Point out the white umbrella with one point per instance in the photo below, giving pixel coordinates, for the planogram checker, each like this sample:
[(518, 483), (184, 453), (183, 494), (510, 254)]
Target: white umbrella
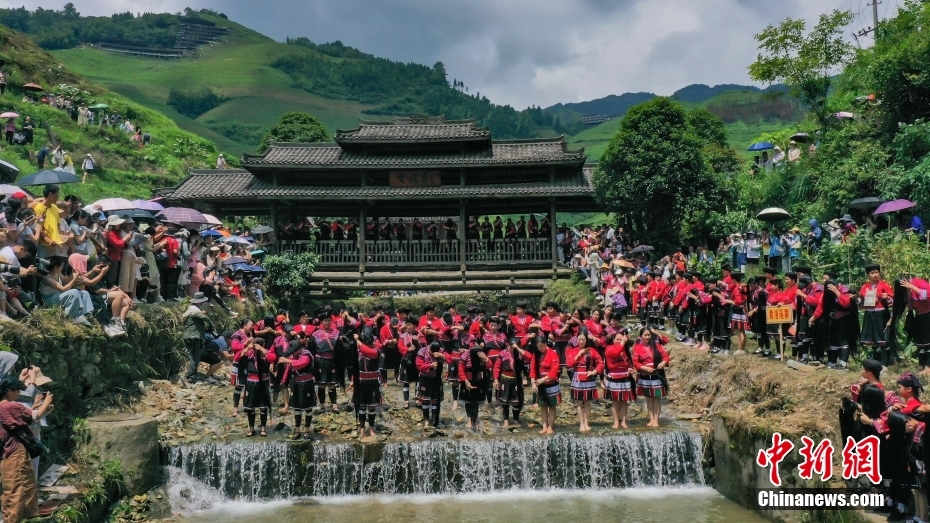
[(773, 214), (212, 220), (10, 190), (113, 204)]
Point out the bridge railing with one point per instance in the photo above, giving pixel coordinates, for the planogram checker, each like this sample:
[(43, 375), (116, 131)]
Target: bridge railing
[(423, 252)]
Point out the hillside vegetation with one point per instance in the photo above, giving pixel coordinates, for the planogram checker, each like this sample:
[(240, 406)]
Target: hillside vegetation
[(127, 170), (234, 91), (746, 114)]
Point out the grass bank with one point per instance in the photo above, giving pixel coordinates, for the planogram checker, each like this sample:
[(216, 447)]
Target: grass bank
[(126, 169)]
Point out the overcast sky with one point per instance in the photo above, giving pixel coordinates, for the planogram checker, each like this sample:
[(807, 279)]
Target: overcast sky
[(528, 52)]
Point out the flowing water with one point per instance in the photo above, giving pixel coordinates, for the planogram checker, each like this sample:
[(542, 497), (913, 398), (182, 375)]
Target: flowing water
[(633, 477), (276, 470), (632, 505)]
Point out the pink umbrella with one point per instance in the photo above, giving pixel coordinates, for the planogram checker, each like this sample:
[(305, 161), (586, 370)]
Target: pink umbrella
[(894, 206), (9, 114), (112, 204), (147, 205), (212, 220), (182, 215)]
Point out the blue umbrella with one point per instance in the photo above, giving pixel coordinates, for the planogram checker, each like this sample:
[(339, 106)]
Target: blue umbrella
[(211, 232), (236, 240), (244, 267), (761, 146), (46, 177)]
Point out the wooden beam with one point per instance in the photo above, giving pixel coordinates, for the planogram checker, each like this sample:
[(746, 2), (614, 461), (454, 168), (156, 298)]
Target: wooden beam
[(424, 275), (361, 242), (552, 226), (463, 225)]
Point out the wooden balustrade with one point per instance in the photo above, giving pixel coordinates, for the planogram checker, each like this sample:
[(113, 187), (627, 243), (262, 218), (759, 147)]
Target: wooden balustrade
[(424, 253)]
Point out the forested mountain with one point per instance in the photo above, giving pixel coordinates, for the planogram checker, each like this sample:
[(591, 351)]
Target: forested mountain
[(335, 82), (65, 29)]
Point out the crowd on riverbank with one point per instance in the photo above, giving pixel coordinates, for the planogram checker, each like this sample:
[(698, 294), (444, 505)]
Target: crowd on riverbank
[(96, 265), (505, 358)]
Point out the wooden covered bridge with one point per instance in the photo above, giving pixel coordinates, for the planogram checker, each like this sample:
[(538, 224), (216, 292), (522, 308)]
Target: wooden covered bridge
[(410, 167)]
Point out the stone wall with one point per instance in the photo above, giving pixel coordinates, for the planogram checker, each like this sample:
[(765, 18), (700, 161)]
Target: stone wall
[(91, 371), (736, 475)]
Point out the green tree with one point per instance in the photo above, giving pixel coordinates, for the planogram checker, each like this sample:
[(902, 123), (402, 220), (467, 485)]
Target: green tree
[(653, 173), (805, 62), (708, 127), (288, 273), (296, 127)]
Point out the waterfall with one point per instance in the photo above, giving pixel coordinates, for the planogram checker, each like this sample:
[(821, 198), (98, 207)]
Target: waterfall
[(275, 470)]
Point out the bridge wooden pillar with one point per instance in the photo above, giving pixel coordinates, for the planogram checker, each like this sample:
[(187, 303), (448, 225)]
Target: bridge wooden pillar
[(361, 241), (463, 226), (273, 223), (552, 232)]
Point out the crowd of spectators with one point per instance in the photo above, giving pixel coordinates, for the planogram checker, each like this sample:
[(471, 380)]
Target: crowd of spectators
[(96, 266)]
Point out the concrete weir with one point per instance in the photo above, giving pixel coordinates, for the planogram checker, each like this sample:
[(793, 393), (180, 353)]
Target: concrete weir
[(274, 470)]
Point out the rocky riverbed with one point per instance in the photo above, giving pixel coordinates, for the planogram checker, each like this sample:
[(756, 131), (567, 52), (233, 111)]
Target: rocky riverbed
[(201, 413), (701, 385)]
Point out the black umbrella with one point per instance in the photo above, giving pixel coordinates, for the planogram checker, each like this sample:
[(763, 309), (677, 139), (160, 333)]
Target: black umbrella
[(773, 214), (262, 229), (801, 137), (8, 172), (136, 214), (864, 204), (46, 177)]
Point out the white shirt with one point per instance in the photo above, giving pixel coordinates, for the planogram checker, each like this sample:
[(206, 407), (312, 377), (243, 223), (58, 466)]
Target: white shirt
[(7, 252)]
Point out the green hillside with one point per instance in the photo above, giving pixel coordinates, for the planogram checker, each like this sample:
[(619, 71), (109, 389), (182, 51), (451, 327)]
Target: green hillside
[(126, 169), (746, 115), (238, 69)]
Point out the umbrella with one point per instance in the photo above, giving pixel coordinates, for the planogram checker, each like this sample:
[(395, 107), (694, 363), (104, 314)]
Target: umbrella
[(237, 240), (46, 177), (256, 268), (10, 190), (137, 214), (642, 248), (8, 171), (147, 205), (864, 204), (212, 220), (262, 229), (761, 146), (9, 114), (894, 206), (801, 137), (211, 232), (32, 87), (233, 260), (182, 215), (113, 204), (623, 263), (845, 114), (100, 106), (773, 214)]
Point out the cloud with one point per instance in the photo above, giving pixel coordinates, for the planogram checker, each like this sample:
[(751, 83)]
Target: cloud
[(525, 52)]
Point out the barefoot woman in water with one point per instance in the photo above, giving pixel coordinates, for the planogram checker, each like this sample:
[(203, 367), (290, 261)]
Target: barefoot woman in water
[(650, 361), (620, 380), (544, 373)]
